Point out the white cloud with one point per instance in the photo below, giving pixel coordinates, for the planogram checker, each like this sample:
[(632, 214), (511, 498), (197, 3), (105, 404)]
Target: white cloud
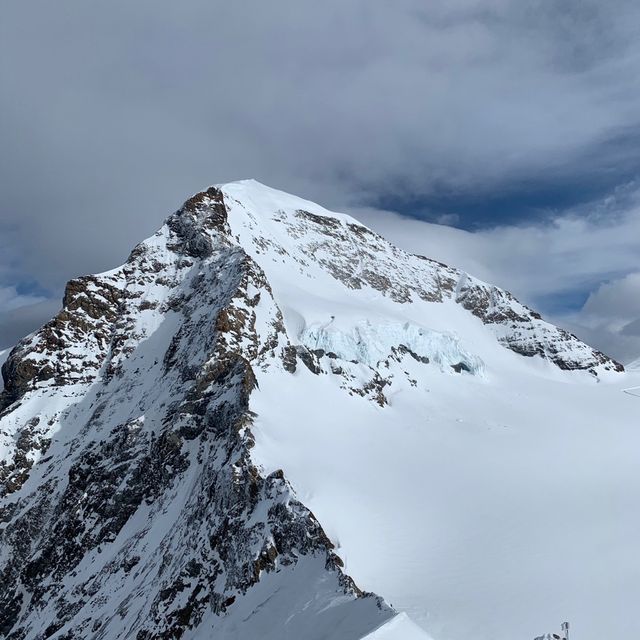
[(611, 317), (617, 302), (10, 299)]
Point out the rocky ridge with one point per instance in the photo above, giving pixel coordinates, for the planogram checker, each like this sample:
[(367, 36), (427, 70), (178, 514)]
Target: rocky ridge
[(131, 506)]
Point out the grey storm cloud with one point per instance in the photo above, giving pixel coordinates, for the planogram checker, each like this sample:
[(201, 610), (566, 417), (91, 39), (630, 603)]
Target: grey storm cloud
[(632, 328), (111, 114), (23, 319)]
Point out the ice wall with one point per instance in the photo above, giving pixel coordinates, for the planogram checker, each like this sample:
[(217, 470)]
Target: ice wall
[(371, 343)]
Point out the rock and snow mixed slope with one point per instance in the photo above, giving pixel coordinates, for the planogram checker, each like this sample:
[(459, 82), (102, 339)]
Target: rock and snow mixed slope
[(267, 402)]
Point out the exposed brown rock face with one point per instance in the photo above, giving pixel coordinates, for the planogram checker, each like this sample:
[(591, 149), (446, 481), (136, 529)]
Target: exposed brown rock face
[(90, 309)]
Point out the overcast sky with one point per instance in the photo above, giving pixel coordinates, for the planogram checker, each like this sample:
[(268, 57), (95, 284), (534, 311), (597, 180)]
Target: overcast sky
[(516, 122)]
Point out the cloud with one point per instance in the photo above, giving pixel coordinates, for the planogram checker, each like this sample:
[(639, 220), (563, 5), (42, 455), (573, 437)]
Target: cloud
[(617, 302), (110, 115), (450, 219), (11, 299), (611, 315), (20, 321), (632, 328)]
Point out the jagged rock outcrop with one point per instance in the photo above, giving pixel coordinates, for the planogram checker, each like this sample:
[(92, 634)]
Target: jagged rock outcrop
[(524, 331), (144, 514)]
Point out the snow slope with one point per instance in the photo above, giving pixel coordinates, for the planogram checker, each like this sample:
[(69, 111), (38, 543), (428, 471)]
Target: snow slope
[(267, 391), (484, 510), (399, 627)]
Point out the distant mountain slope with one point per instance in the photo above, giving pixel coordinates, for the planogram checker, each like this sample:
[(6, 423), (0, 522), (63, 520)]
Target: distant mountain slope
[(168, 437)]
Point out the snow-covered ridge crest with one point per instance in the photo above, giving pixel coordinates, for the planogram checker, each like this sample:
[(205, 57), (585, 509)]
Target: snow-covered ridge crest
[(300, 243)]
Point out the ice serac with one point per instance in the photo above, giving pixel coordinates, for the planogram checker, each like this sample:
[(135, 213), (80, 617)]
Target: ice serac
[(132, 501)]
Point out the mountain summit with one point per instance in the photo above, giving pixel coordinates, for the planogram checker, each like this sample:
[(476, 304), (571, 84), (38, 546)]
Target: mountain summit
[(267, 416)]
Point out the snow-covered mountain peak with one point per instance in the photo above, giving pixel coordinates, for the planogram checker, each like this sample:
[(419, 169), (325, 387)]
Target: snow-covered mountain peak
[(164, 437), (317, 261)]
